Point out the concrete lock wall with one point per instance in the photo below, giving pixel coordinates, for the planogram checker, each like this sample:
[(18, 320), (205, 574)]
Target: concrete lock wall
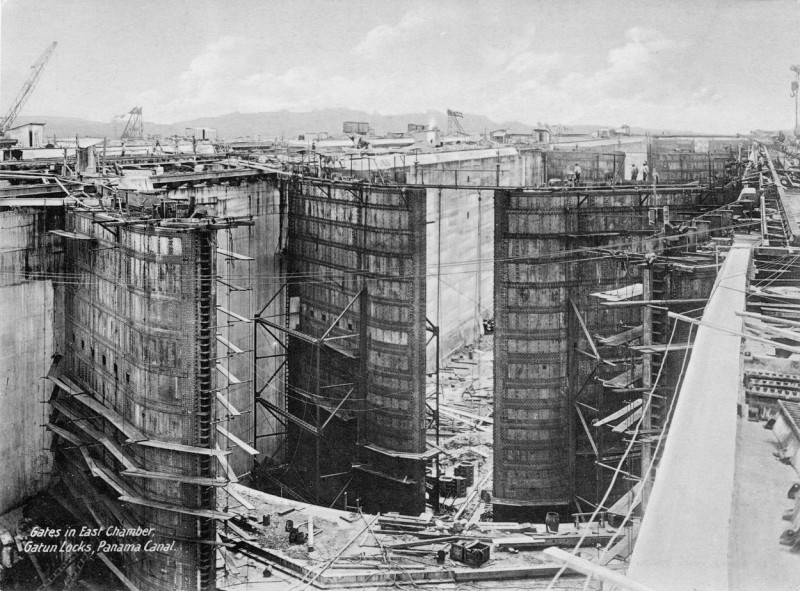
[(459, 268), (27, 344), (344, 240), (31, 332), (540, 265), (138, 340), (694, 159)]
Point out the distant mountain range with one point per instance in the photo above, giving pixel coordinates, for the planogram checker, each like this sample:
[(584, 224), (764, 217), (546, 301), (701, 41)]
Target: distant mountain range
[(288, 124)]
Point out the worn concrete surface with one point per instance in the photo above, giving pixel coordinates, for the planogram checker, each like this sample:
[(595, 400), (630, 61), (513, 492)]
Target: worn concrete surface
[(757, 560), (26, 348)]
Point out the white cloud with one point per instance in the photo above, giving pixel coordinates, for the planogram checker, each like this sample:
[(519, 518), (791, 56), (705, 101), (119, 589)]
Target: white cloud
[(509, 78), (385, 36)]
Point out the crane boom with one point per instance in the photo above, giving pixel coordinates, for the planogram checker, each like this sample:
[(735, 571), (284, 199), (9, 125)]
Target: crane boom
[(28, 87)]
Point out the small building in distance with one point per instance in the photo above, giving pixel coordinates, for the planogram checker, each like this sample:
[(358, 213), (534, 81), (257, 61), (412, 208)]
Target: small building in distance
[(537, 136), (202, 133), (357, 127), (28, 135)]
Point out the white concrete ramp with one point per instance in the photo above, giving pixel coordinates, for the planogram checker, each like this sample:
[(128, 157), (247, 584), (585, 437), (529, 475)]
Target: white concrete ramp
[(683, 541)]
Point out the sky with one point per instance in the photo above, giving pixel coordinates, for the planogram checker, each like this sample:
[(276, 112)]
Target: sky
[(716, 66)]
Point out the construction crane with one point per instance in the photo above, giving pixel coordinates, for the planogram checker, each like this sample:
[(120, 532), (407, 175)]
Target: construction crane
[(453, 123), (27, 88), (134, 130)]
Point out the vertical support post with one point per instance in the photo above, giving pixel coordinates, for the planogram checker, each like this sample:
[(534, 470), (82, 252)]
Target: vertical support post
[(317, 423), (573, 330), (256, 319), (647, 379), (479, 278), (614, 173), (438, 331), (438, 398), (363, 304), (544, 168)]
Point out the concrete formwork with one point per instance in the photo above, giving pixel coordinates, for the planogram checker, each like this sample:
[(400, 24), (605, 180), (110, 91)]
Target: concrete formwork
[(693, 159), (139, 342), (596, 166), (357, 265), (547, 255)]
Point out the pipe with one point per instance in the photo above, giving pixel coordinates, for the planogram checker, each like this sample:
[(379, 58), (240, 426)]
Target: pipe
[(653, 303), (585, 567)]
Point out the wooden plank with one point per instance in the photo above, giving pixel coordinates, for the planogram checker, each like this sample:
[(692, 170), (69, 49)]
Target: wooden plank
[(232, 379), (94, 434), (628, 422), (232, 314), (239, 531), (199, 480), (65, 385), (782, 332), (207, 513), (587, 430), (623, 293), (586, 332), (227, 467), (620, 413), (111, 480), (609, 578), (245, 446), (245, 503), (661, 348), (624, 379), (234, 255), (228, 344), (228, 406), (471, 496), (734, 332), (622, 505), (416, 543), (133, 434), (68, 435), (476, 516), (228, 559), (622, 338), (232, 286), (73, 235)]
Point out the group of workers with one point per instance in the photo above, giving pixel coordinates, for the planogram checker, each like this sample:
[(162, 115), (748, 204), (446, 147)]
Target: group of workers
[(576, 171), (645, 173)]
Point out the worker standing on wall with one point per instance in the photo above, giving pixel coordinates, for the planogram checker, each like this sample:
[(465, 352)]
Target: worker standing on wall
[(645, 170), (634, 172), (577, 171), (655, 176)]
